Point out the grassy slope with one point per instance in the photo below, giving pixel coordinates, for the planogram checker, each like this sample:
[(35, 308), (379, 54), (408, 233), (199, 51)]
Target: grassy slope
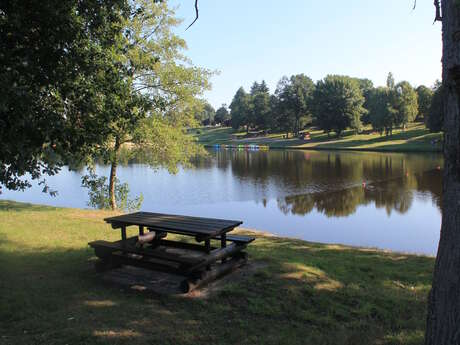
[(307, 294), (416, 138)]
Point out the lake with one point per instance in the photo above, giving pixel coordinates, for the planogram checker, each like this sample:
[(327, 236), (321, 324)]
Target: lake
[(384, 200)]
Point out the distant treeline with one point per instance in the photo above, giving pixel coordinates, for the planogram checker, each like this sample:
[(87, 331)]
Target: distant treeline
[(333, 104)]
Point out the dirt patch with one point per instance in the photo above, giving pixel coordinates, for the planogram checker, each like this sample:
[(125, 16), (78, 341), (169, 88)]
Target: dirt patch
[(156, 282)]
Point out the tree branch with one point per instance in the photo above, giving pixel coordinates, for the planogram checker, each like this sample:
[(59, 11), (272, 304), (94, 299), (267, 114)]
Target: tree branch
[(196, 18), (438, 17)]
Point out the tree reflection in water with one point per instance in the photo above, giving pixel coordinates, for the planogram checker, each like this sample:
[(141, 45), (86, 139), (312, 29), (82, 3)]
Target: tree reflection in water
[(336, 183)]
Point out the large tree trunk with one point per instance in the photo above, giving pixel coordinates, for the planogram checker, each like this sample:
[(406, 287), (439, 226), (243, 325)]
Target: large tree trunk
[(113, 174), (443, 319)]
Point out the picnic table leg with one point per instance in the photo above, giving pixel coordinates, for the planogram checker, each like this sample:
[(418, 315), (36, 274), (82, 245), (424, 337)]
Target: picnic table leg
[(207, 244), (123, 236), (223, 243)]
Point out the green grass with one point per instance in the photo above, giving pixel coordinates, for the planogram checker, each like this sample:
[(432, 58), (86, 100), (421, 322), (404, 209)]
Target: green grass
[(414, 139), (307, 293)]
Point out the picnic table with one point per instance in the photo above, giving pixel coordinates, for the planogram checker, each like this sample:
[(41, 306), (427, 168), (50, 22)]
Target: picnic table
[(204, 250)]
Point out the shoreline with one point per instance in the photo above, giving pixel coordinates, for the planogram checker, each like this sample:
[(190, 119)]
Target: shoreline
[(415, 138), (315, 148), (243, 230)]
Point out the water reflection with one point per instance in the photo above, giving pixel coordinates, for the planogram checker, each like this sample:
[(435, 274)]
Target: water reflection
[(336, 183), (394, 195)]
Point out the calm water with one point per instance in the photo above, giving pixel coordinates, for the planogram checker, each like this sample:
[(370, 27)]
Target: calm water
[(389, 201)]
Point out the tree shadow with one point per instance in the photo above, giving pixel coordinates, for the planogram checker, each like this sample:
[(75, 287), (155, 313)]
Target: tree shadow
[(407, 135)]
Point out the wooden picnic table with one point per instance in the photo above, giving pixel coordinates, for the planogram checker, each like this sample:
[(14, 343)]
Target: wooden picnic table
[(199, 263)]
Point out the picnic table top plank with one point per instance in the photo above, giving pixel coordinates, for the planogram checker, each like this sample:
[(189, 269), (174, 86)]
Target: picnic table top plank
[(176, 223)]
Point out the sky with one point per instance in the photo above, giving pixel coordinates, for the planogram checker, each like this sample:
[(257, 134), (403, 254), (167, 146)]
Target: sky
[(256, 40)]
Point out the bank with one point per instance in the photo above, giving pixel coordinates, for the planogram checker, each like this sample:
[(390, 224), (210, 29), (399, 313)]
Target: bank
[(302, 292), (416, 138)]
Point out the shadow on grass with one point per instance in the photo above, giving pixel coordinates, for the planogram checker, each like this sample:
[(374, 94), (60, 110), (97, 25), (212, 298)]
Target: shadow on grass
[(7, 205), (308, 293)]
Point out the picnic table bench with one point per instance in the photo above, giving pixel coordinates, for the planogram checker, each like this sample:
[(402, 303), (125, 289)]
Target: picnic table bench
[(199, 263)]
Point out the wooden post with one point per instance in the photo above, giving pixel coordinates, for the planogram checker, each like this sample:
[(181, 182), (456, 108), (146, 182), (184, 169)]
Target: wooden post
[(123, 233), (217, 254), (223, 243), (205, 277), (207, 244), (123, 236), (223, 240)]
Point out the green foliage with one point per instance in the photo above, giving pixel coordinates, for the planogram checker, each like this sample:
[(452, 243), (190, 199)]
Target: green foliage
[(222, 115), (390, 81), (99, 195), (205, 114), (260, 106), (154, 95), (284, 113), (405, 103), (56, 60), (338, 104), (435, 119), (294, 102), (240, 109), (424, 97), (366, 86), (381, 112)]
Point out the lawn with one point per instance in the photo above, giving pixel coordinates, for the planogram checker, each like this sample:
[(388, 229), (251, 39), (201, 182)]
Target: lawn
[(416, 138), (304, 293)]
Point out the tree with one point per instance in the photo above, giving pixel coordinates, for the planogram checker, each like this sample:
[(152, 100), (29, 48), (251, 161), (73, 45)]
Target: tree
[(260, 105), (390, 81), (205, 114), (443, 320), (295, 102), (381, 112), (285, 118), (405, 103), (222, 115), (153, 93), (56, 62), (338, 104), (366, 86), (239, 109), (435, 118), (424, 97)]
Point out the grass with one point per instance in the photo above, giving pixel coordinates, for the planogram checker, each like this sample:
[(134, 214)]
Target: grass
[(307, 293), (414, 139)]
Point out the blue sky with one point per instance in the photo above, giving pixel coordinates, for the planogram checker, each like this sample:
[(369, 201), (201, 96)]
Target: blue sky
[(266, 39)]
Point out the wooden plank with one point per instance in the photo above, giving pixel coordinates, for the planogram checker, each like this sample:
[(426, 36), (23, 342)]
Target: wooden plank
[(183, 245), (180, 217), (149, 251), (171, 223), (178, 223), (177, 228), (144, 216), (145, 262), (236, 238)]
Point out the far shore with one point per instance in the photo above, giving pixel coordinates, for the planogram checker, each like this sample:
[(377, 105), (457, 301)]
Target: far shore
[(416, 138)]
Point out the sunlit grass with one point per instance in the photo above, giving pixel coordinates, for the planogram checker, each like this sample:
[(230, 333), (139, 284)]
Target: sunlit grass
[(415, 138), (304, 293)]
